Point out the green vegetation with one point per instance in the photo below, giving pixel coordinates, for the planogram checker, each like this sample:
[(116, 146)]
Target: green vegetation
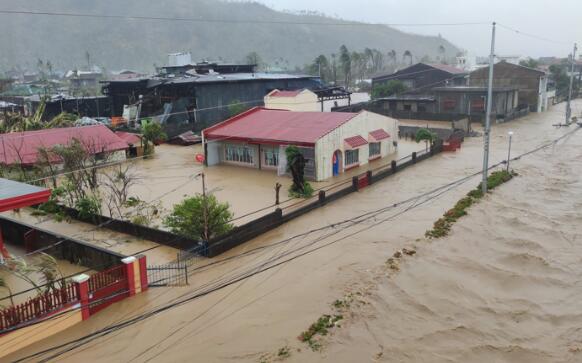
[(530, 63), (236, 107), (187, 218), (391, 88), (296, 165), (442, 226), (152, 134), (319, 328), (427, 136), (284, 353)]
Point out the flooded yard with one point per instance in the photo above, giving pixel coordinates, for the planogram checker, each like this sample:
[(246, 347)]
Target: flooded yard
[(502, 287)]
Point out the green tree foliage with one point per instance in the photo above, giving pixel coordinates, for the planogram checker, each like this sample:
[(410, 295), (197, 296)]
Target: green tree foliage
[(152, 133), (559, 74), (346, 64), (427, 136), (391, 88), (530, 63), (187, 218), (236, 107), (296, 165)]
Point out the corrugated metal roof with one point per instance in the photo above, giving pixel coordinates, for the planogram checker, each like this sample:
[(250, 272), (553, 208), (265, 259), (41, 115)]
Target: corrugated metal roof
[(278, 126), (22, 147), (18, 195)]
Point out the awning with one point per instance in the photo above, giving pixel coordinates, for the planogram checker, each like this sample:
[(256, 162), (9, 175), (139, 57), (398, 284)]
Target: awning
[(354, 142), (14, 195), (378, 135)]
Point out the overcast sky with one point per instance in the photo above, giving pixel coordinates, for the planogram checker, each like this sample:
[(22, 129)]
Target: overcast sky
[(558, 20)]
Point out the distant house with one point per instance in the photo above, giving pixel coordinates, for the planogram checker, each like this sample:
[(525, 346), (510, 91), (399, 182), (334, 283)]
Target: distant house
[(331, 142), (83, 80), (22, 148), (423, 76), (532, 83), (300, 100)]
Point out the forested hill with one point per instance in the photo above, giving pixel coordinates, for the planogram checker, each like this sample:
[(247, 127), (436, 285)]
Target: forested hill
[(139, 44)]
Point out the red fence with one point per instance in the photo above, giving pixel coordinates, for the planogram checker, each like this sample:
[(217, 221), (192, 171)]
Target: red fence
[(107, 287), (38, 307)]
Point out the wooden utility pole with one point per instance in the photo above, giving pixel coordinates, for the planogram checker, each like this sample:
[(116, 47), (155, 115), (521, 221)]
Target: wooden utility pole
[(488, 115)]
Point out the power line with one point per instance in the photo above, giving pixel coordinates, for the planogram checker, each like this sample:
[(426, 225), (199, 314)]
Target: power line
[(533, 36)]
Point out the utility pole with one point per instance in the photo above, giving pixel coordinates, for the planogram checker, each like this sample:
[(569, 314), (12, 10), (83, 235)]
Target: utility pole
[(488, 115), (568, 105)]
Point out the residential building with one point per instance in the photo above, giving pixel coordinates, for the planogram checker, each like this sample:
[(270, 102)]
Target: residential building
[(22, 148), (421, 77), (300, 100), (331, 142), (534, 92)]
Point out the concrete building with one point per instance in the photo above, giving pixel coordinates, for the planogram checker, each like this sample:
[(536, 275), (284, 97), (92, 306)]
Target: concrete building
[(534, 92), (330, 142), (300, 100)]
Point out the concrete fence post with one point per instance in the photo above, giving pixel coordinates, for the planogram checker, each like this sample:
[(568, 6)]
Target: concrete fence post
[(322, 196), (369, 176), (130, 263), (82, 286), (355, 183), (143, 272), (394, 166), (414, 157)]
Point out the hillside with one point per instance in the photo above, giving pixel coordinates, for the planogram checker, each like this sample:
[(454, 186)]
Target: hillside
[(138, 44)]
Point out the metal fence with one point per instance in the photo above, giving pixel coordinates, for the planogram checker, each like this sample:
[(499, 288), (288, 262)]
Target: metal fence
[(170, 274)]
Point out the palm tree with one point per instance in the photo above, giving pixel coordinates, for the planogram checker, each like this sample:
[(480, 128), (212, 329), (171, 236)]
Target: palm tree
[(346, 63), (392, 56), (4, 285), (407, 54)]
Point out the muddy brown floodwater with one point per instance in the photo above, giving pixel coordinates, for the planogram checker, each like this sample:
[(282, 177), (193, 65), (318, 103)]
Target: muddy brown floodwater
[(503, 287)]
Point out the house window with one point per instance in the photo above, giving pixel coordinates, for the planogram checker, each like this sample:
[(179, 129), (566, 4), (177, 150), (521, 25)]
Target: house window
[(478, 105), (375, 149), (352, 157), (271, 156), (407, 107), (239, 154)]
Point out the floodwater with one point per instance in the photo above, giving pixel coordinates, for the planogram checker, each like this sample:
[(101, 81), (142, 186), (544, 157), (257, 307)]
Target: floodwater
[(503, 287)]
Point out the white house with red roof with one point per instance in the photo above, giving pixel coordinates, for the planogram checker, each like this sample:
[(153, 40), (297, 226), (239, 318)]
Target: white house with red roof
[(22, 148), (332, 142), (300, 100)]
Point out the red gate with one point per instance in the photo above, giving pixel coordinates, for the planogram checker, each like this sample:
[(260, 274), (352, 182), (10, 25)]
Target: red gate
[(107, 287), (363, 181)]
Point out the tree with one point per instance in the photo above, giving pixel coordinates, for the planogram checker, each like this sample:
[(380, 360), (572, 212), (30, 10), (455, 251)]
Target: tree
[(152, 133), (254, 58), (346, 64), (442, 54), (4, 285), (407, 54), (236, 107), (530, 63), (296, 165), (393, 87), (117, 187), (187, 218), (322, 68), (427, 136), (392, 55), (334, 67)]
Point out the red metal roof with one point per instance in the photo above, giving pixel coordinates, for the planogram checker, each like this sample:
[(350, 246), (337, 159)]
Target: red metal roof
[(130, 138), (278, 93), (14, 195), (22, 147), (278, 126), (380, 134), (356, 141)]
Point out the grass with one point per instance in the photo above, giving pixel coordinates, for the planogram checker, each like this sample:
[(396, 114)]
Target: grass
[(319, 328), (443, 225)]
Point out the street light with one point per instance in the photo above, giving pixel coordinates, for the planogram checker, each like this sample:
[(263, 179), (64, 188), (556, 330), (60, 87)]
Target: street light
[(510, 133)]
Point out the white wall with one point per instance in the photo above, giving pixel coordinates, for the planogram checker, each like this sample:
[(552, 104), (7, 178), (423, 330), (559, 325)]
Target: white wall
[(362, 125), (306, 101)]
